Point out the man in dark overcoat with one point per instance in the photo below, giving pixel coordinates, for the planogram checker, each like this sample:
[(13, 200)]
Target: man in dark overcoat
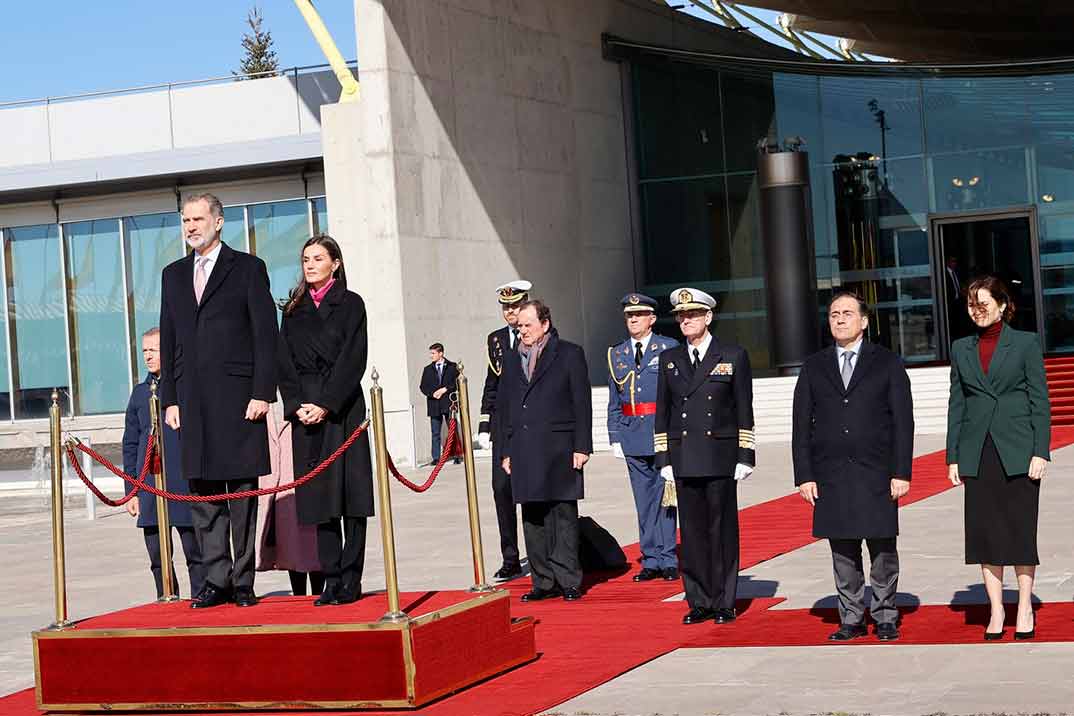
[(218, 375), (136, 428), (852, 445), (501, 344), (438, 382), (546, 413), (704, 441)]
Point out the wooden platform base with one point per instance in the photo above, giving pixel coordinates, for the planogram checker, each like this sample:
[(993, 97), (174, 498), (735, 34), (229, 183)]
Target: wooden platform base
[(281, 654)]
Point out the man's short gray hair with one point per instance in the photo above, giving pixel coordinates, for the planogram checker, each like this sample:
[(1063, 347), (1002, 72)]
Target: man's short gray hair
[(154, 331), (215, 207)]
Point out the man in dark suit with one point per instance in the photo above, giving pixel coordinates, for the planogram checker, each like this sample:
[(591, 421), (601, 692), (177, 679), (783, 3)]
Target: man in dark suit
[(704, 441), (502, 343), (218, 340), (136, 429), (853, 449), (438, 380), (546, 414)]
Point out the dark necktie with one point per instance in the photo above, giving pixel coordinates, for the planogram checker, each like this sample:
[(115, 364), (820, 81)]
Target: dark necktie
[(440, 372), (514, 337), (637, 354), (697, 359)]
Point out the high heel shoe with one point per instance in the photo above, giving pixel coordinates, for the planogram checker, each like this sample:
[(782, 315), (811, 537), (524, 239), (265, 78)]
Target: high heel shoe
[(993, 635), (1023, 635)]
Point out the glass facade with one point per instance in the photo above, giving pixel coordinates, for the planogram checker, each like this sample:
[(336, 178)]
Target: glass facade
[(890, 156), (81, 294)]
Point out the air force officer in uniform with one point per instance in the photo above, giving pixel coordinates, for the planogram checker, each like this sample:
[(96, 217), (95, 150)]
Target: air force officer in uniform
[(633, 368), (705, 441)]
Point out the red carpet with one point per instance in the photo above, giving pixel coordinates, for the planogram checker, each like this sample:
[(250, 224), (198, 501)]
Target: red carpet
[(621, 625)]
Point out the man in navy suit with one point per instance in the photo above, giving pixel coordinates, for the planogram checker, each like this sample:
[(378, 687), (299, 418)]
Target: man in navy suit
[(135, 434), (633, 370), (438, 382)]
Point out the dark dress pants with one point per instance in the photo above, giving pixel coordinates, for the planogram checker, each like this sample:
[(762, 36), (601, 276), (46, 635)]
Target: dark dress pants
[(341, 552), (656, 523), (551, 532), (850, 579), (191, 552), (506, 512), (436, 423), (708, 522), (215, 521)]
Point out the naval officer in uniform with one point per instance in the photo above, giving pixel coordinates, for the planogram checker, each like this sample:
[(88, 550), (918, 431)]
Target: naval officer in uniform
[(500, 343), (705, 441), (633, 367)]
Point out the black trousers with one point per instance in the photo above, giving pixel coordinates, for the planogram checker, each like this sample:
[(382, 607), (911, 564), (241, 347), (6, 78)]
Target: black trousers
[(708, 521), (195, 569), (228, 564), (342, 551), (551, 533), (506, 512), (850, 579)]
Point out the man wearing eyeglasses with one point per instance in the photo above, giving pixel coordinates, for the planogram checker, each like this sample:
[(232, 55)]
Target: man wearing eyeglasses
[(853, 447), (704, 441)]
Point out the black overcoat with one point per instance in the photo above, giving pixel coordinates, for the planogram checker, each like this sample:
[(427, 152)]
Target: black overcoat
[(322, 355), (853, 441), (545, 421), (215, 357), (136, 427), (435, 407)]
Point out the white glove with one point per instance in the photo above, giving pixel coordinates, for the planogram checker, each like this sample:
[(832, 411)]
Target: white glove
[(617, 450), (484, 441), (742, 471), (667, 473)]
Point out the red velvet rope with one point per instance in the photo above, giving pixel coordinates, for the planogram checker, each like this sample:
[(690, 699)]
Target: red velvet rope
[(325, 464), (150, 453), (449, 450)]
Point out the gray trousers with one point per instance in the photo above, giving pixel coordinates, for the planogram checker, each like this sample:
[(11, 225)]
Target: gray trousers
[(850, 579), (223, 525), (551, 533)]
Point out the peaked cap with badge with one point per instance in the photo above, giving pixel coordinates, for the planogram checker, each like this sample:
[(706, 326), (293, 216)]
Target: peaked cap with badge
[(691, 299), (513, 292)]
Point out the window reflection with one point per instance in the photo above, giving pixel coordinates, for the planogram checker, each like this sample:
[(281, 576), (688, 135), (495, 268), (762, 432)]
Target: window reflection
[(95, 295), (35, 317), (320, 215), (151, 243), (277, 232)]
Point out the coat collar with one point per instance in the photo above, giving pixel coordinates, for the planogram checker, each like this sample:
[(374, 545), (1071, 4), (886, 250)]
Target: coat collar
[(831, 366), (546, 359), (1006, 337), (224, 263)]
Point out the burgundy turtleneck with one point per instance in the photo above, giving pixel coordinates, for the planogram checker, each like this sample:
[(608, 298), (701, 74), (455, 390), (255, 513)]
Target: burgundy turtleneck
[(986, 346)]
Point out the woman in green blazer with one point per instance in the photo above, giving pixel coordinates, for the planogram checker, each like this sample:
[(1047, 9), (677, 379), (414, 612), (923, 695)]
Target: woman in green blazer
[(998, 435)]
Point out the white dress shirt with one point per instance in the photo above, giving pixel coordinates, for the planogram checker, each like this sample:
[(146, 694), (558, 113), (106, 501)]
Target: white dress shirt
[(209, 261), (839, 351), (702, 349)]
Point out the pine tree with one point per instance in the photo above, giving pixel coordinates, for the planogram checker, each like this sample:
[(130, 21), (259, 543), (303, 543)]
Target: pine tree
[(259, 56)]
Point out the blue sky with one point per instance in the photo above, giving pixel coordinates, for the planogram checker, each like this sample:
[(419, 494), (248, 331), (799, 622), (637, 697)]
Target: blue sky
[(60, 47)]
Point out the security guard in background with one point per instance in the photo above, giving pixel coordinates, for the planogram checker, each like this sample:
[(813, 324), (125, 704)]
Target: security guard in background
[(705, 442), (502, 342), (633, 367)]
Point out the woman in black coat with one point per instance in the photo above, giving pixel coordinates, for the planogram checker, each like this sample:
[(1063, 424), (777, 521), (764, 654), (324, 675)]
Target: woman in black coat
[(322, 360)]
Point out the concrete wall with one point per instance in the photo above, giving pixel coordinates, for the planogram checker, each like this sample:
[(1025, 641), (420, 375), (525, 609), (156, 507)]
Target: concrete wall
[(495, 137)]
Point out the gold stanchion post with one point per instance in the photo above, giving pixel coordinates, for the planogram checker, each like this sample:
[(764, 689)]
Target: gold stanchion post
[(387, 529), (466, 435), (59, 571), (164, 525)]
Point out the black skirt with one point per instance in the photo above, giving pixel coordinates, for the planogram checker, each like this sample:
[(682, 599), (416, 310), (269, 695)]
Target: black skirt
[(1001, 514)]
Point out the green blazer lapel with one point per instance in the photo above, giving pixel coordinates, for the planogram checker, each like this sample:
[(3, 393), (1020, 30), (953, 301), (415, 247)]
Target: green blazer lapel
[(974, 359), (1003, 349)]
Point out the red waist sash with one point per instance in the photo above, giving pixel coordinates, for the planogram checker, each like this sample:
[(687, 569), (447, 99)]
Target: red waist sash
[(639, 409)]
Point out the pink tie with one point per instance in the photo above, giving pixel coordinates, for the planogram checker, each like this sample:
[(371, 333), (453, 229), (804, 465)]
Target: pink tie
[(200, 279)]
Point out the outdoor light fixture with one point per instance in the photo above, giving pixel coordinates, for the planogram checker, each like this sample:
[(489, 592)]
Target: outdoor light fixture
[(959, 181), (1047, 198)]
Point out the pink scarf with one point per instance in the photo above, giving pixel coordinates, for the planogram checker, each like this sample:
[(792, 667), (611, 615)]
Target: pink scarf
[(318, 294)]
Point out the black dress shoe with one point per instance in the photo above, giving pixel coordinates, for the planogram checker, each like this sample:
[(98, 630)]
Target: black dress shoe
[(887, 631), (509, 570), (697, 615), (211, 596), (670, 574), (244, 597), (646, 575), (328, 596), (572, 594), (537, 595), (724, 616), (349, 594), (846, 632)]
